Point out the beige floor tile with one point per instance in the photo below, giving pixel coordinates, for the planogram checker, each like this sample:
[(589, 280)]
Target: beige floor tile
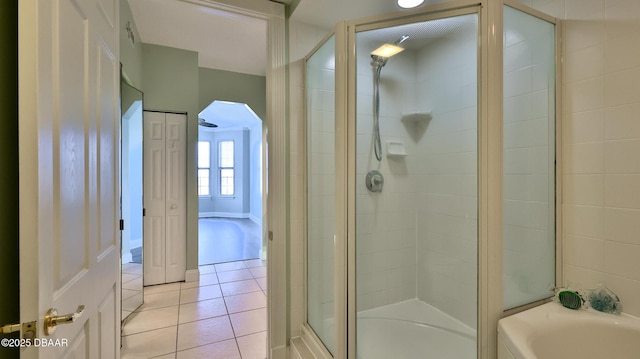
[(128, 293), (127, 277), (253, 346), (255, 263), (262, 282), (151, 319), (203, 281), (187, 285), (133, 268), (202, 310), (208, 279), (250, 322), (160, 300), (234, 275), (200, 293), (258, 272), (207, 269), (224, 267), (149, 344), (166, 356), (227, 349), (160, 288), (239, 287), (204, 332), (244, 302)]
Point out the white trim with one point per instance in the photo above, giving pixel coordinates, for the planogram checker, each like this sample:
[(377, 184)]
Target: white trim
[(255, 219), (223, 215), (192, 275), (308, 346)]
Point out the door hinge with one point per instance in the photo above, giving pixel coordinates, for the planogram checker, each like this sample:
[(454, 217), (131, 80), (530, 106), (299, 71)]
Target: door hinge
[(271, 235), (29, 330), (122, 224), (144, 212)]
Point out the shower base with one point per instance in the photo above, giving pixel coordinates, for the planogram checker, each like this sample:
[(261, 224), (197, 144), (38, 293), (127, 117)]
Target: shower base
[(413, 329)]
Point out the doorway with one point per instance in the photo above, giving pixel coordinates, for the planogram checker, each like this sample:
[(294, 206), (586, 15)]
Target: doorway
[(229, 183)]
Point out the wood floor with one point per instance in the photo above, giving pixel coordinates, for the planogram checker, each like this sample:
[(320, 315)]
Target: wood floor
[(223, 240)]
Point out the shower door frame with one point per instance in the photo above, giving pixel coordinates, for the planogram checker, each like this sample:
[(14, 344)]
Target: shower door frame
[(346, 88), (489, 168)]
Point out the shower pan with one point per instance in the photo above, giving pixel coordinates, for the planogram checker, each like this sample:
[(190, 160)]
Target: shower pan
[(459, 124)]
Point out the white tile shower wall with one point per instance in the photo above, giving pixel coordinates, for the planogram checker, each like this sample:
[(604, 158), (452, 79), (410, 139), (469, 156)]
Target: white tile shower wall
[(446, 169), (601, 133), (529, 229), (302, 39), (385, 222)]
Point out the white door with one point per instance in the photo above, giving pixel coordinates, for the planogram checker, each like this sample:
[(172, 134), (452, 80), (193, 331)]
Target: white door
[(165, 171), (69, 249)]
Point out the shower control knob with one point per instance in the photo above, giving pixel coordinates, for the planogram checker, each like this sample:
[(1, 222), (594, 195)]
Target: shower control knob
[(374, 181)]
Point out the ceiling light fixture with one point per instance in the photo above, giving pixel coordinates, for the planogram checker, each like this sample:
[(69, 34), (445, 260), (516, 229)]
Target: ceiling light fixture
[(409, 4)]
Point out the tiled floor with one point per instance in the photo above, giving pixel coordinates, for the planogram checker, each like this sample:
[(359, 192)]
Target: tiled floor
[(223, 316)]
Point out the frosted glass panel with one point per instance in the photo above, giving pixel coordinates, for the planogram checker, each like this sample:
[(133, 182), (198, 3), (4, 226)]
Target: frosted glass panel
[(321, 184), (529, 158)]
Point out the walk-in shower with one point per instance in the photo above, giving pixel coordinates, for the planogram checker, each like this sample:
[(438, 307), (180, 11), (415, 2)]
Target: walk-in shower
[(460, 128)]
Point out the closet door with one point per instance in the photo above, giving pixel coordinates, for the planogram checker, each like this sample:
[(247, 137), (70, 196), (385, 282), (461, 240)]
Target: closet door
[(164, 197)]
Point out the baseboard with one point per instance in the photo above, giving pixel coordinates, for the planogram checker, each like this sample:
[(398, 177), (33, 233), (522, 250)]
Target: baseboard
[(256, 220), (279, 352), (223, 215), (127, 258), (192, 275)]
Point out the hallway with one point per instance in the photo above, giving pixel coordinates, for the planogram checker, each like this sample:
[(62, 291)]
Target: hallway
[(223, 316)]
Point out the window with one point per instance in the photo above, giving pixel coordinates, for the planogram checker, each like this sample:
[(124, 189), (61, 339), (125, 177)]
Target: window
[(225, 168), (204, 168)]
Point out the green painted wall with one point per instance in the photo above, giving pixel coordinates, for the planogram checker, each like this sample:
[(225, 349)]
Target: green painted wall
[(130, 54), (170, 78), (174, 82), (9, 244), (235, 87)]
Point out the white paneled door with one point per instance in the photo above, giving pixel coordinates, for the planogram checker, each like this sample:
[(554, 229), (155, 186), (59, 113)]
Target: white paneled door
[(69, 80), (165, 171)]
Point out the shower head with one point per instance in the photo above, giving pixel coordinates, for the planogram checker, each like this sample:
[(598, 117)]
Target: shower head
[(384, 52)]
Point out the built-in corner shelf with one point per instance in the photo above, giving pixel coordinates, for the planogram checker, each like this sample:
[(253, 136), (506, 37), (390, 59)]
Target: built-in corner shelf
[(416, 117), (396, 149)]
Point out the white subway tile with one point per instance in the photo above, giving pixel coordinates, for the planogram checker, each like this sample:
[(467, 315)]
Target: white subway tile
[(622, 191), (622, 122), (584, 221), (623, 87), (584, 95), (585, 190), (622, 157), (621, 259), (585, 63), (622, 225), (584, 252)]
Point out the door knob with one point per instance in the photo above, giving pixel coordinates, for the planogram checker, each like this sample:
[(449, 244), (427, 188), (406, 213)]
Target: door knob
[(51, 319)]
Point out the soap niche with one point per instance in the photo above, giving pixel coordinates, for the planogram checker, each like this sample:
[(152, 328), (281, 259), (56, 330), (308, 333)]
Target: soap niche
[(416, 123), (396, 149)]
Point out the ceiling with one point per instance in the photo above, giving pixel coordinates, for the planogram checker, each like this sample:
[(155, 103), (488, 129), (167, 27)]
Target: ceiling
[(223, 40), (233, 42), (228, 115)]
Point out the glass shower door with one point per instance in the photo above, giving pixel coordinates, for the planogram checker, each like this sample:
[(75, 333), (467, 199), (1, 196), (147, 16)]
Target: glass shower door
[(416, 207), (321, 190)]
